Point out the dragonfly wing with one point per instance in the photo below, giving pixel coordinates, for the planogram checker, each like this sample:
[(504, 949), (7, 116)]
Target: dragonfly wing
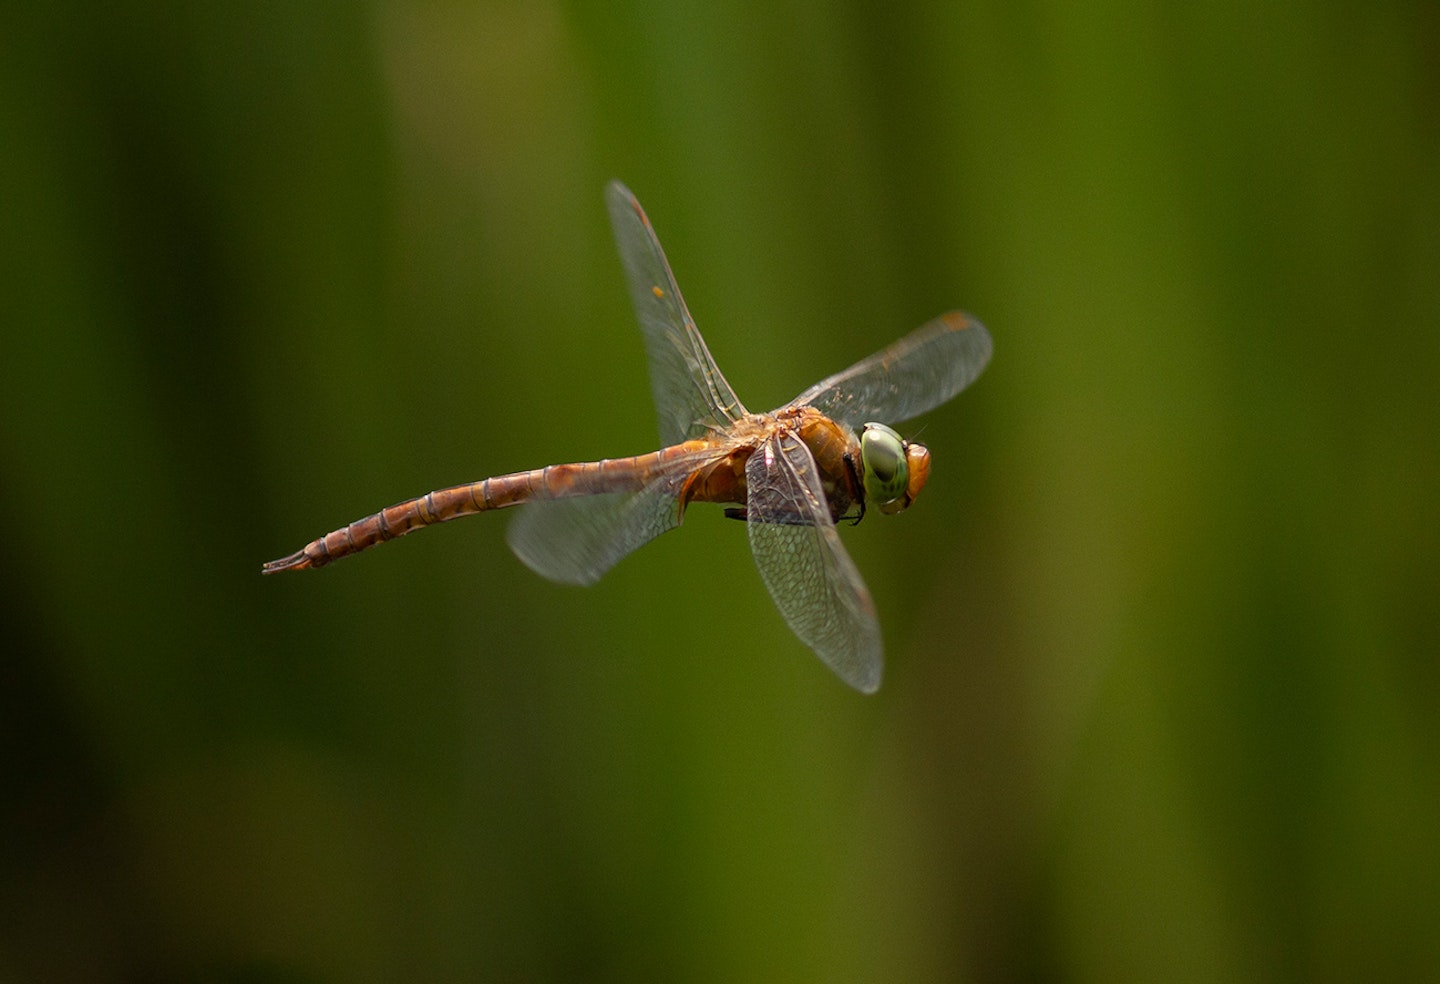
[(575, 540), (809, 575), (920, 371), (691, 395)]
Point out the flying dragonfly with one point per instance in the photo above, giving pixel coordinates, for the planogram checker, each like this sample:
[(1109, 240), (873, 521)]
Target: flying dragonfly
[(790, 474)]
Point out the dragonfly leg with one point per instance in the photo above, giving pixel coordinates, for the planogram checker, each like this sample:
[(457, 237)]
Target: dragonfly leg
[(856, 483), (793, 519)]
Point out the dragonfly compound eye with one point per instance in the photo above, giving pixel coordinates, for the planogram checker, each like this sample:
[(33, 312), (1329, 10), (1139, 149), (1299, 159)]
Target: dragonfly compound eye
[(887, 469)]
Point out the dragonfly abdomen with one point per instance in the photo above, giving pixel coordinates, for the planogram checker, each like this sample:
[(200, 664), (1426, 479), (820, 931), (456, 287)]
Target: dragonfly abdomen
[(443, 505), (387, 524)]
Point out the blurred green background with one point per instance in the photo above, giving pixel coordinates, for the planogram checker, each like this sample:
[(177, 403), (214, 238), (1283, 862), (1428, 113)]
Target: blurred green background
[(1162, 635)]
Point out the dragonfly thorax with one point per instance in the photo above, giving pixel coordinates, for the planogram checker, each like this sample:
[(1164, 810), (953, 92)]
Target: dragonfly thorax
[(836, 452)]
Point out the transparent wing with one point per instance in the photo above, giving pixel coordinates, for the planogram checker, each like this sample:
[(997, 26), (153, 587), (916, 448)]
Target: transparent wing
[(577, 539), (920, 371), (809, 575), (691, 395)]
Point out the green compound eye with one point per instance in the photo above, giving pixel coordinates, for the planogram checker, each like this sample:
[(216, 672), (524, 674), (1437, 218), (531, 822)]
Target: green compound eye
[(887, 473)]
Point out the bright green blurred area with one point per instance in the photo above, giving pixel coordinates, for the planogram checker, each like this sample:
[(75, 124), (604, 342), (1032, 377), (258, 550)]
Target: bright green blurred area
[(1162, 635)]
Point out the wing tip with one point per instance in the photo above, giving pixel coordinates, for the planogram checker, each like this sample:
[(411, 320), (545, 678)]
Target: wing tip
[(867, 686), (864, 674), (976, 334), (621, 199), (958, 320)]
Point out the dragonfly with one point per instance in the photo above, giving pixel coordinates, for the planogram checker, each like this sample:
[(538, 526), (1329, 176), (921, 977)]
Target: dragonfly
[(791, 474)]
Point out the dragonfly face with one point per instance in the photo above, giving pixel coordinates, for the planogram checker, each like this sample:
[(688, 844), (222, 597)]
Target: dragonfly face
[(794, 469), (895, 469)]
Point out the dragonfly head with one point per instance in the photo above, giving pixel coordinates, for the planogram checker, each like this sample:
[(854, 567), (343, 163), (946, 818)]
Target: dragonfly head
[(895, 469)]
